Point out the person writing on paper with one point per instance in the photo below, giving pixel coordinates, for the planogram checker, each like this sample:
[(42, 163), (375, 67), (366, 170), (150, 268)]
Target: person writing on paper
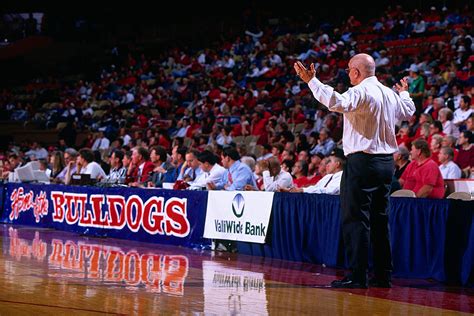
[(370, 111)]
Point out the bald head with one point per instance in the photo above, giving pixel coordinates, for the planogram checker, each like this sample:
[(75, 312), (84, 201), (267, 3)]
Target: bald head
[(364, 63)]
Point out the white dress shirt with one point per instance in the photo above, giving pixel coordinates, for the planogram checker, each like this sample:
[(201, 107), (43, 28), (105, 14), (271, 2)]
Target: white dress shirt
[(126, 139), (329, 184), (450, 129), (204, 178), (428, 109), (461, 115), (94, 169), (281, 180), (39, 153), (116, 175), (182, 131), (370, 110), (101, 143), (450, 170), (222, 139)]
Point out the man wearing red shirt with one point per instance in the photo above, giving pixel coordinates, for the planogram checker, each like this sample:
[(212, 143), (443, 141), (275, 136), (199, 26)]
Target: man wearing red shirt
[(465, 158), (422, 175)]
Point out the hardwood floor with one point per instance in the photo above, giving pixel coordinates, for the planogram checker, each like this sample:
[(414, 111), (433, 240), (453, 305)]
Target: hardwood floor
[(48, 272)]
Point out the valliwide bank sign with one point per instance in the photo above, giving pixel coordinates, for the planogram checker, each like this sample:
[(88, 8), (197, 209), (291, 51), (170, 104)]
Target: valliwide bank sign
[(242, 216)]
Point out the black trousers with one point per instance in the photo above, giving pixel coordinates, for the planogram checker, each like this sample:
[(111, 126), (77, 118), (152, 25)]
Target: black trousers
[(365, 191)]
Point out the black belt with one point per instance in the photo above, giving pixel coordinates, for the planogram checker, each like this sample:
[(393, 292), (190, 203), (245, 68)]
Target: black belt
[(369, 154)]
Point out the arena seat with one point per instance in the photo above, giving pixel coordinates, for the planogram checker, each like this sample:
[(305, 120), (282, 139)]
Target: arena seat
[(238, 139), (465, 196), (403, 193)]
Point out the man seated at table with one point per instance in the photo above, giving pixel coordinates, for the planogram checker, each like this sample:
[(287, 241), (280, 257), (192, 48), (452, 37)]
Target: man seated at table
[(275, 178), (15, 162), (87, 165), (141, 167), (117, 170), (163, 170), (300, 173), (331, 182), (422, 175), (211, 171), (70, 157), (449, 169), (190, 170), (237, 175)]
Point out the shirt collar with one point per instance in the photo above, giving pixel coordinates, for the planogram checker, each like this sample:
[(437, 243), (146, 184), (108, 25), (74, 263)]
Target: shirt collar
[(371, 79), (424, 162)]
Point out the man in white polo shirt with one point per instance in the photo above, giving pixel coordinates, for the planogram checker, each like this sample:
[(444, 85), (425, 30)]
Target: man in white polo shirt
[(88, 166)]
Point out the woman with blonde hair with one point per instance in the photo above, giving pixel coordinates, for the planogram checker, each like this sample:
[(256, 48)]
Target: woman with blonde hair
[(57, 163)]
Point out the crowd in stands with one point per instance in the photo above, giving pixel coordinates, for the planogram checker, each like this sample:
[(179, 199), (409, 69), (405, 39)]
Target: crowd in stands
[(236, 117)]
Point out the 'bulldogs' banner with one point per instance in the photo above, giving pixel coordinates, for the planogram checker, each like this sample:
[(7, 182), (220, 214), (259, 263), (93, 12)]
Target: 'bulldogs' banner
[(242, 216), (159, 216)]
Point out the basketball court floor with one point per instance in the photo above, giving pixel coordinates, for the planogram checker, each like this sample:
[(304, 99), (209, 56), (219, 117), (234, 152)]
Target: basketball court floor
[(49, 272)]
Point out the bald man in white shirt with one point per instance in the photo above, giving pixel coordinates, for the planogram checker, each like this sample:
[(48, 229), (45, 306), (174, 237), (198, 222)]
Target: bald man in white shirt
[(370, 111)]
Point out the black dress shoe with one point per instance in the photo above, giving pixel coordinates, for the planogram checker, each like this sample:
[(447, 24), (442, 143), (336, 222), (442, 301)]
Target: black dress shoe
[(374, 282), (348, 283)]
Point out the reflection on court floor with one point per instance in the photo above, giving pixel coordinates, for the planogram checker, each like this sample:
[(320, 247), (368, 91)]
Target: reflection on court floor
[(102, 263), (243, 291)]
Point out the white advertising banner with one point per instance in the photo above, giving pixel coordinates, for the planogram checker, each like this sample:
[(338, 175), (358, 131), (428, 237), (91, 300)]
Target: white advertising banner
[(241, 216), (231, 291)]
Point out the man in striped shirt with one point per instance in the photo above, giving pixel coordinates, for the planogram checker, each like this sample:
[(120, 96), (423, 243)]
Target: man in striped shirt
[(117, 170)]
